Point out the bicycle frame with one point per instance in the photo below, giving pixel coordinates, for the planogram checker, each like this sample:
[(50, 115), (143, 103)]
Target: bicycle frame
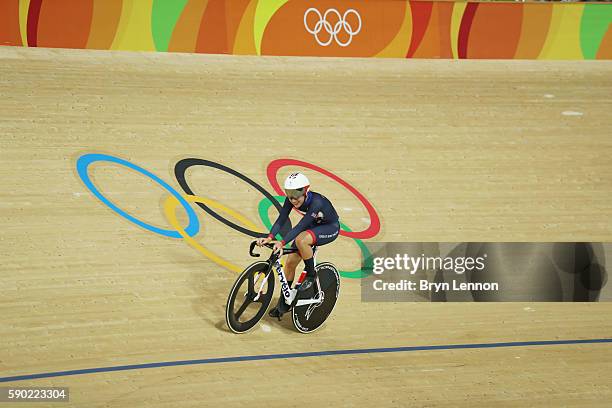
[(288, 293)]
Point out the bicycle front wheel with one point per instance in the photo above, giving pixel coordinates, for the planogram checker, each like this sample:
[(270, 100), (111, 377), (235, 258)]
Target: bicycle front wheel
[(250, 297)]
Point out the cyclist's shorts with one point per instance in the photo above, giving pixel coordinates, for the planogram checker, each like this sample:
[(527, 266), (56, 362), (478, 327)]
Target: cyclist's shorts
[(323, 234)]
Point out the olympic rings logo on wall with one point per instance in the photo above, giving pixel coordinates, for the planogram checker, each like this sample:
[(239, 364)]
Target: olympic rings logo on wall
[(223, 213), (324, 24)]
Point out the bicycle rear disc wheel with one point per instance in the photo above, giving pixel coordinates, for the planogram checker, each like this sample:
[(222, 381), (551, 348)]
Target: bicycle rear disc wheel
[(242, 311), (308, 318)]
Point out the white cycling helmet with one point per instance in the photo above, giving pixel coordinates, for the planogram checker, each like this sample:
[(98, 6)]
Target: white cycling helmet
[(296, 185)]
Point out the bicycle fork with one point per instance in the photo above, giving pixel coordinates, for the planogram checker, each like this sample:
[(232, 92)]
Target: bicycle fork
[(286, 291)]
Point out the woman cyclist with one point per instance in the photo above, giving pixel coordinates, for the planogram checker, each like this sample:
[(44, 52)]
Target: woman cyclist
[(319, 226)]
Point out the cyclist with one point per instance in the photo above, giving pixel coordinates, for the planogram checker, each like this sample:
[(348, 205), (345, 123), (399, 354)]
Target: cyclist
[(319, 226)]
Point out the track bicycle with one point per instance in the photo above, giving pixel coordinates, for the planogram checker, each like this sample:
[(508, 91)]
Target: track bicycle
[(252, 293)]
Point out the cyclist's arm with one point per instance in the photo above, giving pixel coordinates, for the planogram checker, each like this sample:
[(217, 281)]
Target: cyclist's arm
[(282, 218), (304, 223)]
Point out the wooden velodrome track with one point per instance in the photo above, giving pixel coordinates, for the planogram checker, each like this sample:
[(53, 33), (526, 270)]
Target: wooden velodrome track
[(444, 150)]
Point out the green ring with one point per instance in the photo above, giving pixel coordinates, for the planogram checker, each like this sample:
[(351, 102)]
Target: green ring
[(264, 206)]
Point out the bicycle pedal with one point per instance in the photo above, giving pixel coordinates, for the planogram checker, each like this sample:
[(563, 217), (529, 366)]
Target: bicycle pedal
[(276, 313), (283, 308)]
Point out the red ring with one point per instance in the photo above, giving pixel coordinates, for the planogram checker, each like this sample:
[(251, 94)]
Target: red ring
[(369, 232)]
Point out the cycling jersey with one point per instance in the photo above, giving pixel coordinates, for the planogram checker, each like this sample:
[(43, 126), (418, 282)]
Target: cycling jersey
[(319, 216)]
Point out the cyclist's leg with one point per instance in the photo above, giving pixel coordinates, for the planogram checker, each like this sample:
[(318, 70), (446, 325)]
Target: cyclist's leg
[(291, 263), (304, 242), (319, 235)]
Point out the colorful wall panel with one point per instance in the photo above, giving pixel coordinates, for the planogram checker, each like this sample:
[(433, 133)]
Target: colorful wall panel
[(364, 28)]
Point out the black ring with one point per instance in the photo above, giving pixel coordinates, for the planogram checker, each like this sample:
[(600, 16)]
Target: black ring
[(179, 172)]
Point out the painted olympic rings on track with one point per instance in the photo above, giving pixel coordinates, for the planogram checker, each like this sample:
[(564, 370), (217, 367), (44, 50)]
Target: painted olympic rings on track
[(86, 160), (369, 232), (179, 172), (170, 211), (214, 208)]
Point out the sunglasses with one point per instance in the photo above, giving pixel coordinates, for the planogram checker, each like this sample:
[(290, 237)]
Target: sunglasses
[(294, 193)]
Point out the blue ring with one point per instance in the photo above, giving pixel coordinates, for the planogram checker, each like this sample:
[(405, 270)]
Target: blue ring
[(83, 163)]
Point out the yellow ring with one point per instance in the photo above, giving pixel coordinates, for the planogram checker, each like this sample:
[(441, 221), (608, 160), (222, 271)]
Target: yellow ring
[(170, 211)]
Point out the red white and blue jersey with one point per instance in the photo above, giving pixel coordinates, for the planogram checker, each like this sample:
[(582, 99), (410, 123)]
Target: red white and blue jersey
[(317, 210)]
